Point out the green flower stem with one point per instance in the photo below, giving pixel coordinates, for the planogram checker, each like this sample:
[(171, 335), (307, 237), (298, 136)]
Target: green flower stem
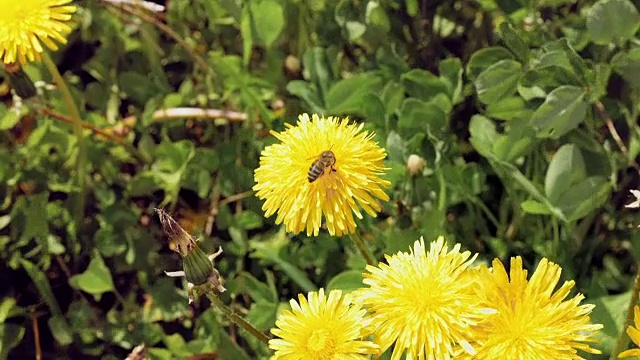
[(81, 161), (236, 319), (623, 339), (363, 248)]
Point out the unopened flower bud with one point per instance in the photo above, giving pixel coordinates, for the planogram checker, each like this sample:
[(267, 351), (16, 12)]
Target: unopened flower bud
[(197, 266), (415, 164)]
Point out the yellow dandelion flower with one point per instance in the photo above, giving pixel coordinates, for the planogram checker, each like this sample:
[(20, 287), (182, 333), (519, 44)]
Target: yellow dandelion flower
[(322, 328), (25, 24), (349, 180), (531, 321), (424, 302), (634, 334)]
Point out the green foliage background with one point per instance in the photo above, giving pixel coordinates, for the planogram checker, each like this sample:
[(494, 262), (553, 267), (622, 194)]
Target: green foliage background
[(525, 111)]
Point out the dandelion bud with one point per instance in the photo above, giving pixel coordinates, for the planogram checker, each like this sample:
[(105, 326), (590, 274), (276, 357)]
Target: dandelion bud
[(197, 266), (415, 164)]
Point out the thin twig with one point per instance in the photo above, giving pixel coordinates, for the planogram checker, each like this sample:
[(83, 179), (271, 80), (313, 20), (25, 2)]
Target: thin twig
[(612, 129), (168, 31), (199, 113), (85, 125), (36, 335), (96, 130), (143, 4), (213, 209), (235, 197)]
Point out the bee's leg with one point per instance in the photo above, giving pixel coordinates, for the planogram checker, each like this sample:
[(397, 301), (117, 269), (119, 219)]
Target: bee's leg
[(333, 169)]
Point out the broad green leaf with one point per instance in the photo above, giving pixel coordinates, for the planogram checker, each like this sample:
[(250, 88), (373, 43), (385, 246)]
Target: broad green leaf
[(612, 21), (608, 312), (563, 110), (229, 349), (535, 207), (510, 108), (483, 134), (270, 251), (392, 97), (422, 84), (8, 117), (451, 75), (576, 205), (627, 64), (10, 337), (257, 289), (248, 220), (60, 330), (484, 58), (498, 81), (267, 20), (96, 279), (262, 314), (513, 41), (347, 281), (541, 81), (416, 115), (396, 147), (566, 169), (346, 95), (308, 93)]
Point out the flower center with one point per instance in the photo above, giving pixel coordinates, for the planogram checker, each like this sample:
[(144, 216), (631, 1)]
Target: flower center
[(321, 343)]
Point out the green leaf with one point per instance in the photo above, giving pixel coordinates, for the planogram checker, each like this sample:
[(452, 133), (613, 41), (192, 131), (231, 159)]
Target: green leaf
[(510, 108), (612, 21), (535, 207), (451, 75), (257, 289), (576, 205), (96, 279), (10, 337), (566, 168), (396, 147), (8, 117), (346, 95), (308, 93), (270, 252), (262, 314), (607, 312), (58, 324), (267, 20), (498, 81), (423, 85), (483, 134), (627, 64), (484, 58), (563, 110), (513, 41), (347, 281), (248, 220), (416, 115)]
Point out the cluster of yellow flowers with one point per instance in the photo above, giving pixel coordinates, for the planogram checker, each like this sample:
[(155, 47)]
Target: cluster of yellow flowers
[(423, 304), (431, 304)]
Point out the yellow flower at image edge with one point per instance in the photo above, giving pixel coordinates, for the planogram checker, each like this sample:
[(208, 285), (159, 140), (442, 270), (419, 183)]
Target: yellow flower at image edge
[(634, 334), (424, 303), (340, 189), (531, 321), (322, 327), (25, 24)]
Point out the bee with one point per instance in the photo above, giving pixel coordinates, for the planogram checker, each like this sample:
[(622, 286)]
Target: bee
[(326, 160)]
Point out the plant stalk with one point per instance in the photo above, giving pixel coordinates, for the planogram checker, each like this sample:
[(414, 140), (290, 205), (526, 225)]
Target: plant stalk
[(81, 161), (236, 319), (363, 248), (623, 339)]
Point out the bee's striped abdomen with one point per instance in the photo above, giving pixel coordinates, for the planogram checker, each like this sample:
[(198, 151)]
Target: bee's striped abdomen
[(316, 169)]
